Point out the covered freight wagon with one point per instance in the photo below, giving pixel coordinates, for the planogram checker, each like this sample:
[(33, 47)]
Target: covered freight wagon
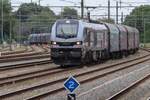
[(131, 38), (122, 40), (113, 39)]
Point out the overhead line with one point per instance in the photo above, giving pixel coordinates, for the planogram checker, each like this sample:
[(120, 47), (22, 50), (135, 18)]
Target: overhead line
[(86, 6)]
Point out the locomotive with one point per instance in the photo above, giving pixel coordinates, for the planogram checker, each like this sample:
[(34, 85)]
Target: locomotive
[(75, 42), (41, 38)]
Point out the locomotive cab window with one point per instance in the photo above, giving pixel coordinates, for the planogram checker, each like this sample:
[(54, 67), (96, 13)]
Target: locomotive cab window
[(67, 29)]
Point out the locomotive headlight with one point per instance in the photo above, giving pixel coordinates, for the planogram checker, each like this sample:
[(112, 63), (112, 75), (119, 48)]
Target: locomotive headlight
[(54, 43), (78, 43)]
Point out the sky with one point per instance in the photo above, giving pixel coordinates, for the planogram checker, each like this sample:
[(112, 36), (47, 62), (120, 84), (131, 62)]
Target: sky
[(94, 12)]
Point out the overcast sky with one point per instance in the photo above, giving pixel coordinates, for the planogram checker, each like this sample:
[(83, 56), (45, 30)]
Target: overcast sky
[(98, 11)]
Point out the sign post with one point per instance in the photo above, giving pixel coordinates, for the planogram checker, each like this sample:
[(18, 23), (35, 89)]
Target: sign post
[(71, 84), (71, 96)]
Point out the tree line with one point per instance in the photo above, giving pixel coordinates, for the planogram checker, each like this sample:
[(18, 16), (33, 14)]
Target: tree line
[(31, 16), (28, 18)]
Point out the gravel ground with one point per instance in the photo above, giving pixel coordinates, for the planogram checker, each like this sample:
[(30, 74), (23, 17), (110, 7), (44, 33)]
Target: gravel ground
[(56, 76), (60, 75), (110, 88), (25, 70), (5, 50), (38, 48), (86, 87), (19, 71), (20, 62), (140, 92)]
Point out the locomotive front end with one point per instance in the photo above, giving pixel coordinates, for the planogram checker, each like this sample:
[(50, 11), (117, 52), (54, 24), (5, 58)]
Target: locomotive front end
[(66, 44)]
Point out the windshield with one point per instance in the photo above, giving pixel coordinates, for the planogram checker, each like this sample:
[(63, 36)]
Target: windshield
[(67, 30)]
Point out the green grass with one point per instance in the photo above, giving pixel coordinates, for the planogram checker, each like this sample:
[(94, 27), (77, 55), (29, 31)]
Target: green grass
[(147, 45)]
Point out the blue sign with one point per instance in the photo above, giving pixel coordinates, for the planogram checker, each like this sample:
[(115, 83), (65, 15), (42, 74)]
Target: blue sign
[(71, 84)]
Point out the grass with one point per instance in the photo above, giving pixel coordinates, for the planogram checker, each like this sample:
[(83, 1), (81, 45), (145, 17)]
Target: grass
[(147, 45)]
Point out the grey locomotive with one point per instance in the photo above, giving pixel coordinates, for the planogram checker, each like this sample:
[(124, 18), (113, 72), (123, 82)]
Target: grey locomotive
[(79, 41)]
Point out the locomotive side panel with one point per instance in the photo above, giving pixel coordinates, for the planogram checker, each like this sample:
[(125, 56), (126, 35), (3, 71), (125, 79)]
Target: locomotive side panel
[(97, 37), (97, 40), (101, 39)]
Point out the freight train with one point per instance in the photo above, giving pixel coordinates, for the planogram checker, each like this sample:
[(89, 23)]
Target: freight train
[(79, 41), (41, 38)]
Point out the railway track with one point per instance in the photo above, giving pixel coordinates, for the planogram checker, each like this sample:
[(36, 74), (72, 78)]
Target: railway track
[(130, 87), (23, 60), (45, 48), (21, 56), (22, 64), (18, 52), (112, 68), (13, 52), (82, 81), (26, 57), (108, 89), (24, 52)]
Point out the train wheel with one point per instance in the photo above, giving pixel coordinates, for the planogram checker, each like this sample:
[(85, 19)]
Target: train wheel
[(63, 66), (85, 60), (94, 57)]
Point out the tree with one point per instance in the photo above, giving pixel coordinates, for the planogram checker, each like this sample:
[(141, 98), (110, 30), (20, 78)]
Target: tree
[(34, 16), (69, 12), (6, 6), (140, 17), (7, 18), (28, 10), (44, 19)]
